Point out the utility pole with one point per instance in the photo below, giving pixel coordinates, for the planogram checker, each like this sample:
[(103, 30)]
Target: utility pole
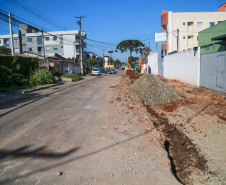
[(43, 48), (74, 51), (11, 34), (80, 42), (103, 56), (177, 40)]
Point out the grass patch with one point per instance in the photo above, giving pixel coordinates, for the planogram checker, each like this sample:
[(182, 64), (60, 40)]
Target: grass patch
[(74, 77), (13, 88)]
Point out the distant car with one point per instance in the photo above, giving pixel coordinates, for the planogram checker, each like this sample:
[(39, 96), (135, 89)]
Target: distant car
[(117, 67), (113, 71), (96, 72), (123, 68)]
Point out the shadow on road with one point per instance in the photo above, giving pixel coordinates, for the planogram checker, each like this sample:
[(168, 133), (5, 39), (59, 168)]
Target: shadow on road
[(42, 152), (9, 180), (31, 98)]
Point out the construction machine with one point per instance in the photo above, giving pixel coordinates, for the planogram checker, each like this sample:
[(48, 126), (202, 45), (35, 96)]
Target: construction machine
[(130, 65)]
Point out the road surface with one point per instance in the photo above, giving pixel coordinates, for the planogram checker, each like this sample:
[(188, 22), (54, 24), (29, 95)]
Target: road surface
[(76, 134)]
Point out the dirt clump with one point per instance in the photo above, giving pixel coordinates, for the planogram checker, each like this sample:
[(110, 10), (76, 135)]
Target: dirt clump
[(153, 91)]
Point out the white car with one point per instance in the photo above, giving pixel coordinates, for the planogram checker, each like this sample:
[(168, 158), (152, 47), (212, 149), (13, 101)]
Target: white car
[(96, 72)]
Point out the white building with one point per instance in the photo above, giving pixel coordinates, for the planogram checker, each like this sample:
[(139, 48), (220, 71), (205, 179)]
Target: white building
[(182, 27), (64, 43)]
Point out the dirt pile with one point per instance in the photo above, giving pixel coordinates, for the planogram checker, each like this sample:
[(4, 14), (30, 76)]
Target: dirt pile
[(153, 91)]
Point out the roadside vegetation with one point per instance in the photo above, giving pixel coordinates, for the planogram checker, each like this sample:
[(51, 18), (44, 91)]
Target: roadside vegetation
[(74, 77)]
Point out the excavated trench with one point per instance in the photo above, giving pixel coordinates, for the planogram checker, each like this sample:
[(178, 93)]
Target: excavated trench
[(185, 159), (182, 153)]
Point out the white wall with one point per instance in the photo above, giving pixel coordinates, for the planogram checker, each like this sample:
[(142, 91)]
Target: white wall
[(183, 66), (153, 63)]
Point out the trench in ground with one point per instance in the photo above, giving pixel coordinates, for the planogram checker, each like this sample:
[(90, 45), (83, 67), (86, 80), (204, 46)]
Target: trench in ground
[(182, 153)]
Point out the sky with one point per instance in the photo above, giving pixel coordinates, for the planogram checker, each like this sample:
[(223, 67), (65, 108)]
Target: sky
[(107, 23)]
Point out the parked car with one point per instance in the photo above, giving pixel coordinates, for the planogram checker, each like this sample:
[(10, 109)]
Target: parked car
[(113, 71), (96, 72)]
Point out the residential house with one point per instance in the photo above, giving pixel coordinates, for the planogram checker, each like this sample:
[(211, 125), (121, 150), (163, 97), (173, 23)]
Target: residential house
[(213, 39), (182, 27)]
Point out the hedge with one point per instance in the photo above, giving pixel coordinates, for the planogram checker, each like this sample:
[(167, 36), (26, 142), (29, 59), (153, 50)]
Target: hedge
[(20, 65)]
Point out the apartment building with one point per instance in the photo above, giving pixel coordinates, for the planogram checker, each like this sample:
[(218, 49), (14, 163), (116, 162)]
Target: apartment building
[(182, 27), (29, 38)]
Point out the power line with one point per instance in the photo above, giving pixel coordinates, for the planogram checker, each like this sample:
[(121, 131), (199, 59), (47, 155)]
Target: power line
[(34, 12)]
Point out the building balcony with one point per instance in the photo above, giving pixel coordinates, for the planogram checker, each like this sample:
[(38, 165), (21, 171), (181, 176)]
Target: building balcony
[(164, 46), (77, 40)]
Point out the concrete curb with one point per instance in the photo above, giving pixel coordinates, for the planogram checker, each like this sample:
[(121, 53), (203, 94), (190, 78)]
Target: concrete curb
[(35, 88)]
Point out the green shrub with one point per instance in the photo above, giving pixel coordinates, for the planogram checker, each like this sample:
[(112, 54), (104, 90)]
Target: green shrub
[(74, 77), (138, 68), (8, 78), (57, 74), (41, 77), (19, 65)]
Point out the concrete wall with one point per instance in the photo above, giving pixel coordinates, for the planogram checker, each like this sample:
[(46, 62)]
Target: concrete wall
[(183, 66), (77, 69), (213, 71)]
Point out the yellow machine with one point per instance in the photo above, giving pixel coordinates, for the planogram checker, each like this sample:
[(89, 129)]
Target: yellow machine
[(129, 66)]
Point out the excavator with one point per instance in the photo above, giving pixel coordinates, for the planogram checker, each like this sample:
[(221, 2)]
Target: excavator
[(130, 65)]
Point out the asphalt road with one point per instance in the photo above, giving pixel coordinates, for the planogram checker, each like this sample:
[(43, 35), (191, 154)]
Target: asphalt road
[(66, 135)]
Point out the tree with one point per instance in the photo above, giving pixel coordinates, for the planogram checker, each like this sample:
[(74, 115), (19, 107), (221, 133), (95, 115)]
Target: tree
[(5, 50), (90, 62), (110, 60), (117, 63), (131, 45), (111, 52)]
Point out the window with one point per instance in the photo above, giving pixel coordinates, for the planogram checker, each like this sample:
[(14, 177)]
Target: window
[(47, 38), (47, 48), (24, 44), (55, 48), (54, 38), (29, 39), (16, 50), (183, 37), (183, 23), (189, 37), (30, 49), (212, 24), (199, 24), (16, 40), (23, 35), (0, 41), (39, 40), (61, 46)]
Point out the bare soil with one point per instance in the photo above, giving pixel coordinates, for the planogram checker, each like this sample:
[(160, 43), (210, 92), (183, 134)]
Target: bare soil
[(192, 129)]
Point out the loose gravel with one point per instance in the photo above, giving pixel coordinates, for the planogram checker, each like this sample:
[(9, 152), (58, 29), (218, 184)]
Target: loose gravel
[(153, 91)]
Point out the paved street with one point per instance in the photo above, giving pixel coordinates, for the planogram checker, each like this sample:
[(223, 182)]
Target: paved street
[(75, 134)]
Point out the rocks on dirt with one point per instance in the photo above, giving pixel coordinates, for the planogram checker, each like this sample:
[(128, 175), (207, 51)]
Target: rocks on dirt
[(153, 91), (59, 173)]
